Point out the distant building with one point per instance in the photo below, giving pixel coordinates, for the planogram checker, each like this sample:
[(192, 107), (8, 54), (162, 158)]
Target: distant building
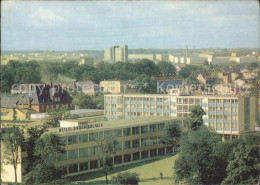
[(86, 60), (141, 56), (115, 86), (162, 57), (89, 87), (249, 59), (165, 83), (116, 54)]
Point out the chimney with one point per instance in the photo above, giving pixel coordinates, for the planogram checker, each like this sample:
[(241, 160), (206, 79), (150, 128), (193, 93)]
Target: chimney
[(29, 102)]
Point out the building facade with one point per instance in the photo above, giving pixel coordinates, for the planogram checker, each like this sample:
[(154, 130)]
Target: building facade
[(227, 115), (137, 140)]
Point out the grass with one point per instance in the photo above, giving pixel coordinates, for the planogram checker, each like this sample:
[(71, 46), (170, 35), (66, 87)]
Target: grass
[(149, 172)]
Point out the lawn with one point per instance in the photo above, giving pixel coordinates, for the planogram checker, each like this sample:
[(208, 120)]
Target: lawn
[(149, 172)]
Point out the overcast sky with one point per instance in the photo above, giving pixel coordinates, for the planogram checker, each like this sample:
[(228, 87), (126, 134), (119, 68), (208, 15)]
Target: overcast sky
[(84, 25)]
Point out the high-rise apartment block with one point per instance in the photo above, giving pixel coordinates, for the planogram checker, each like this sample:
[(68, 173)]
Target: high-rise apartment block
[(227, 115), (116, 54)]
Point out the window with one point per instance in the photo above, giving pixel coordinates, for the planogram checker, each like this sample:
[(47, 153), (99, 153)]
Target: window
[(144, 129), (144, 154), (72, 139), (153, 128), (127, 145), (161, 126), (93, 136), (93, 150), (83, 152), (144, 142), (135, 130), (153, 153), (118, 159), (118, 133), (61, 157), (118, 146), (161, 151), (101, 135), (127, 158), (136, 156), (93, 164), (127, 131), (136, 143), (83, 138), (153, 140), (108, 133), (83, 166), (179, 100), (64, 140), (72, 154), (73, 168)]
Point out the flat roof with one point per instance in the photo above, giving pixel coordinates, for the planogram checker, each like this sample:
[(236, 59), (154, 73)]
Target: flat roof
[(112, 124), (208, 95)]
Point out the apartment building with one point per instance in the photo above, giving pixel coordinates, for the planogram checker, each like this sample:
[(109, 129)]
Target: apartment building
[(116, 54), (229, 115)]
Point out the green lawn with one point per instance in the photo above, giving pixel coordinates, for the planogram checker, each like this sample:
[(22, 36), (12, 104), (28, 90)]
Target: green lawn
[(149, 172)]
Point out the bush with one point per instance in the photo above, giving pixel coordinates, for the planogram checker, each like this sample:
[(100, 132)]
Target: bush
[(126, 178)]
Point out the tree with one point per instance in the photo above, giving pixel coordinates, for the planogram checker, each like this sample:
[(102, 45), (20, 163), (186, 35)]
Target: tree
[(48, 146), (172, 134), (43, 173), (195, 119), (106, 152), (166, 68), (53, 116), (12, 139), (84, 101), (144, 84), (197, 163), (34, 133), (244, 167), (126, 178)]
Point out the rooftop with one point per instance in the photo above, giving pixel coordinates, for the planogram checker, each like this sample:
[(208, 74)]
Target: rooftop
[(113, 124)]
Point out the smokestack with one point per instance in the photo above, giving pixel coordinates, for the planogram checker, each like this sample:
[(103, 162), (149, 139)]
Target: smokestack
[(29, 102)]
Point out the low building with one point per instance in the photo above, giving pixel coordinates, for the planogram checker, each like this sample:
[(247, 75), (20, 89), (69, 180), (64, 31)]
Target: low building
[(137, 140), (115, 86), (141, 56), (89, 87), (162, 57), (165, 83), (41, 98)]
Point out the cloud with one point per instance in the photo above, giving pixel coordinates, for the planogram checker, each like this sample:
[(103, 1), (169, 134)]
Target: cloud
[(46, 18)]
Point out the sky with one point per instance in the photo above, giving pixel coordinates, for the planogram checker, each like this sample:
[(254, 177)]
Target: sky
[(92, 25)]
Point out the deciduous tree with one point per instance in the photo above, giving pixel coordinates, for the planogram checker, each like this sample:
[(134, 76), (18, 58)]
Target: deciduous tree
[(12, 140)]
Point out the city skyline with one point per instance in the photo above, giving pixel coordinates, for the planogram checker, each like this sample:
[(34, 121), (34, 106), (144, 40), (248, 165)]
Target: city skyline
[(99, 25)]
